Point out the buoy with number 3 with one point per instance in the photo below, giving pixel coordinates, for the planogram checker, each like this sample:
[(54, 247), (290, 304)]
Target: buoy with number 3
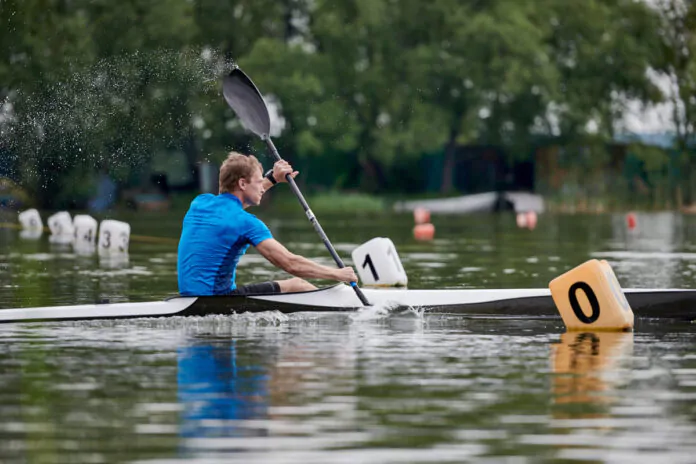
[(589, 297)]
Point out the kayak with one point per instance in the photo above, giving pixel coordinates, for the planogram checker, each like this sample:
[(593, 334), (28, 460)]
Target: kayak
[(509, 303)]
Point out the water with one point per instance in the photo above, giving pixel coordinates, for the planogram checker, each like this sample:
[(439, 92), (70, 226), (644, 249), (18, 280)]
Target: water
[(368, 387)]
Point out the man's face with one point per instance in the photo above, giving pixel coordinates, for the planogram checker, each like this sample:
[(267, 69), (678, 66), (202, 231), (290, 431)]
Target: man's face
[(253, 189)]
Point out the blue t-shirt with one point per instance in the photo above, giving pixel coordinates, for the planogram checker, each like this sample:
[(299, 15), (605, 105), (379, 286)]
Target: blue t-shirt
[(216, 233)]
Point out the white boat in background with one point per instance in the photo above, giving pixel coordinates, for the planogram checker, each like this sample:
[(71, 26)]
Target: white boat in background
[(505, 303), (518, 202)]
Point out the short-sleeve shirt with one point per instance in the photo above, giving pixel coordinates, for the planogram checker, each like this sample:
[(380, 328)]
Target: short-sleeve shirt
[(215, 234)]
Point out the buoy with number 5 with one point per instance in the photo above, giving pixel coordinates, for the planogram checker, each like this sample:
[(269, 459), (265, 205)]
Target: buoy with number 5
[(589, 297)]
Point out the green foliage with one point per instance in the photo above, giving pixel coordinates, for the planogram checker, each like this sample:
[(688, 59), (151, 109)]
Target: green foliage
[(369, 86)]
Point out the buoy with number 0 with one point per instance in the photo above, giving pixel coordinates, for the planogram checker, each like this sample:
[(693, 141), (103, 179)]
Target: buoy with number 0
[(589, 297)]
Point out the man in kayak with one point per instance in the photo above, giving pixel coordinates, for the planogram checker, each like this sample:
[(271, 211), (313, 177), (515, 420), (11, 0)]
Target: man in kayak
[(217, 231)]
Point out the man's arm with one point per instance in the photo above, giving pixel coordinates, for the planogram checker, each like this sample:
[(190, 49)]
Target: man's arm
[(300, 266)]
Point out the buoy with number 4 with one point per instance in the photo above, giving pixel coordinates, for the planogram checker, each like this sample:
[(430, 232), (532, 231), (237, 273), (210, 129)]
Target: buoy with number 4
[(589, 297)]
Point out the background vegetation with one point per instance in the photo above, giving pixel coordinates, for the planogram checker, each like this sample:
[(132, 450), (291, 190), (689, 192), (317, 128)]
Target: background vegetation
[(367, 90)]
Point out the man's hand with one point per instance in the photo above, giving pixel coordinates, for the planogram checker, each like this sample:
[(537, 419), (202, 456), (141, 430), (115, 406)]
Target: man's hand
[(346, 274), (281, 169)]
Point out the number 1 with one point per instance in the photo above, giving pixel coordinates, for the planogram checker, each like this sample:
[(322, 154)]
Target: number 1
[(368, 262)]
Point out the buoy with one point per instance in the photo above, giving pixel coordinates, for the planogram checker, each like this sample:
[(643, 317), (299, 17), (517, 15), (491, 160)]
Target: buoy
[(521, 220), (84, 231), (631, 221), (421, 216), (531, 219), (31, 220), (424, 231), (589, 297), (378, 264), (113, 237)]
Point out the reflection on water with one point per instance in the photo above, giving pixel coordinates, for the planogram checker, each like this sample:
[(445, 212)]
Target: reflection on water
[(651, 255), (218, 385), (332, 389), (588, 370)]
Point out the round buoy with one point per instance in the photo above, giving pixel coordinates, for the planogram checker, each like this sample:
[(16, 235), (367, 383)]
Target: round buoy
[(631, 221), (521, 220), (421, 216), (424, 231), (531, 219)]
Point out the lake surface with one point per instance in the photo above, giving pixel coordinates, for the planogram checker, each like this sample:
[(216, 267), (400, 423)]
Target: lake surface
[(369, 387)]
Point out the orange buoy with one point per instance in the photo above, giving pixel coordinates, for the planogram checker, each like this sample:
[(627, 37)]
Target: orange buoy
[(531, 219), (421, 215), (631, 221), (424, 231)]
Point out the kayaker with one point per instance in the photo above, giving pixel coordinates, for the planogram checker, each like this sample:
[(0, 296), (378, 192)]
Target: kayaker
[(217, 231)]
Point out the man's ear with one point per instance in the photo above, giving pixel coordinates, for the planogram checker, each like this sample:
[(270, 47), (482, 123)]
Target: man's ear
[(242, 183)]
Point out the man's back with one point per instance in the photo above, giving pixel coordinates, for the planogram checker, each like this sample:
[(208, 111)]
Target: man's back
[(216, 233)]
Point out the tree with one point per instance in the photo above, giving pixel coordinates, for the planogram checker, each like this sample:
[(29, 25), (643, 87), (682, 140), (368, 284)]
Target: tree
[(678, 34)]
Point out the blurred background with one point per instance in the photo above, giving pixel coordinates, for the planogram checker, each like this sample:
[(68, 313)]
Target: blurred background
[(589, 104)]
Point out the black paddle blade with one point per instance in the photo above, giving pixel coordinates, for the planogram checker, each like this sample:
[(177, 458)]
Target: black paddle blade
[(246, 101)]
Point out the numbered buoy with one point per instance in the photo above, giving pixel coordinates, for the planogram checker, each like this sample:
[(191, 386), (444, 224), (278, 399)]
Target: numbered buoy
[(421, 216), (424, 232), (378, 264), (114, 237), (589, 297), (61, 225), (30, 220), (84, 231)]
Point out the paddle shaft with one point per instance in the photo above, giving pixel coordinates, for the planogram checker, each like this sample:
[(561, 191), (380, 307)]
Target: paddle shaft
[(313, 220)]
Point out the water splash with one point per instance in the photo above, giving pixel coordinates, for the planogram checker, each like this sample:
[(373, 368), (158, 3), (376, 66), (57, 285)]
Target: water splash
[(112, 115)]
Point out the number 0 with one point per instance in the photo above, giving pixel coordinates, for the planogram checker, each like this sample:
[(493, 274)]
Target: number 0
[(575, 304)]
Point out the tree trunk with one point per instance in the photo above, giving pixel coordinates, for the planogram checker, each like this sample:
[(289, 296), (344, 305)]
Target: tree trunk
[(373, 179), (447, 183)]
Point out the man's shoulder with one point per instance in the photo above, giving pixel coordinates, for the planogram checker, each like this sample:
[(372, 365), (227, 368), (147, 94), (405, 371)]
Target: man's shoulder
[(251, 218), (203, 198)]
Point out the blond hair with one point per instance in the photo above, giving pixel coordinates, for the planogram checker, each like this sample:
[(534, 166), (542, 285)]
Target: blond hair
[(236, 166)]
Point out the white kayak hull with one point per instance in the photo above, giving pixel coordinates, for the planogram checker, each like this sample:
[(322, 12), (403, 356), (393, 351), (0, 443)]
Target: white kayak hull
[(651, 303)]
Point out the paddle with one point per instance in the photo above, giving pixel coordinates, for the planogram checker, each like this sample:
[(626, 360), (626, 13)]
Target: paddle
[(246, 101)]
